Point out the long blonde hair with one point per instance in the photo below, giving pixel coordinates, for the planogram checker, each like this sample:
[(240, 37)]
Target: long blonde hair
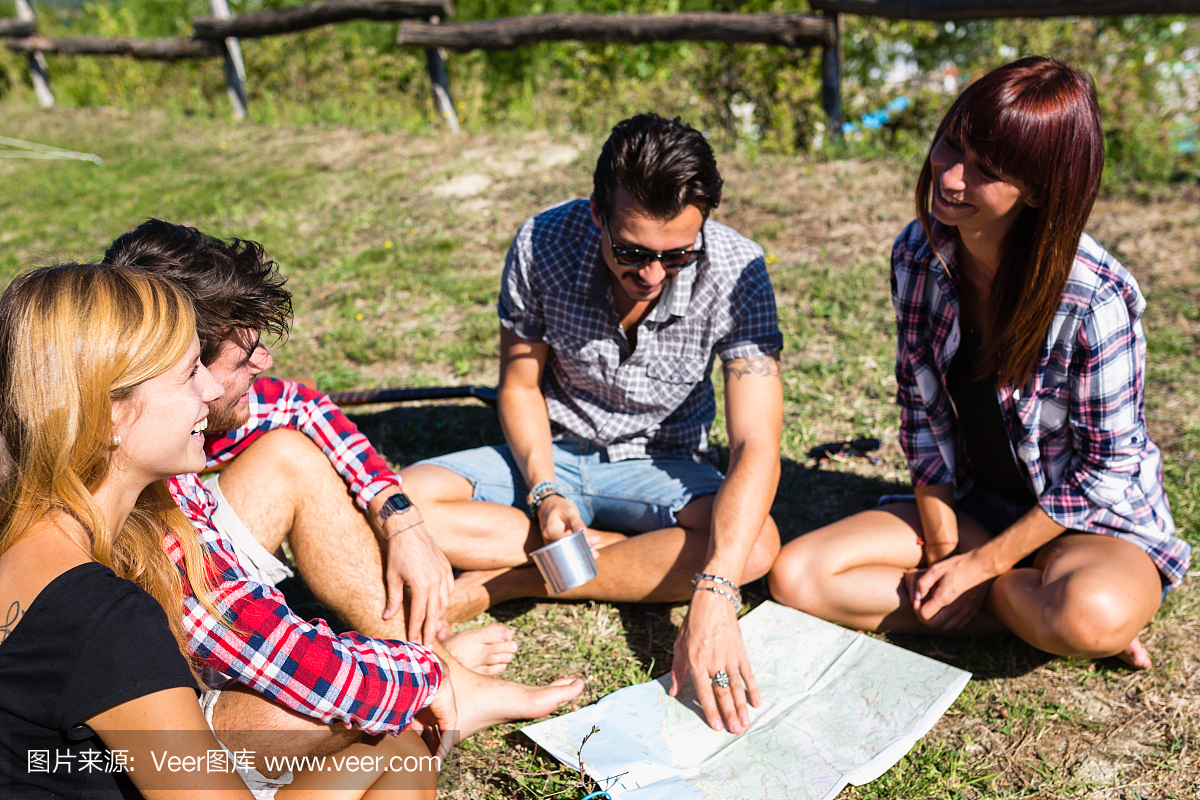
[(73, 339)]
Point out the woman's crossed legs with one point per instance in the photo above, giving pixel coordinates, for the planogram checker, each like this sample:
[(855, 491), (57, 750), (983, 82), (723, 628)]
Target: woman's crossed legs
[(1085, 595)]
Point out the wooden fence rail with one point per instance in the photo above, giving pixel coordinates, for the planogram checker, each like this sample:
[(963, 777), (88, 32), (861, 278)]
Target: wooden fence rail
[(787, 30), (17, 27), (154, 49), (962, 10), (314, 15)]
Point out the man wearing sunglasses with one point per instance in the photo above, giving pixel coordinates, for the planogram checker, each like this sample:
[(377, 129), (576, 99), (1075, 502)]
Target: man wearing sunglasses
[(612, 310)]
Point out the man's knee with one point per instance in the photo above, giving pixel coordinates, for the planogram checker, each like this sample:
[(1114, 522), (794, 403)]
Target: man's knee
[(696, 517), (280, 464), (429, 484), (288, 451), (764, 552)]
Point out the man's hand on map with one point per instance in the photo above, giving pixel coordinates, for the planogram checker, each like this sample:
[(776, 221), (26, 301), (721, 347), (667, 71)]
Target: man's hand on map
[(949, 593), (870, 718), (709, 642)]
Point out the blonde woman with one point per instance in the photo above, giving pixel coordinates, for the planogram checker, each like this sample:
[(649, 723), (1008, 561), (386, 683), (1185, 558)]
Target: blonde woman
[(105, 398)]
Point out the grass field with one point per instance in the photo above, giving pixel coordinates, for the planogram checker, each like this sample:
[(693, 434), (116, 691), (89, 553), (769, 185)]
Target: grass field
[(393, 245)]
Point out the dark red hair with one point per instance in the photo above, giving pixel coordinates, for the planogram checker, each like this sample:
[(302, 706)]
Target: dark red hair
[(1038, 120)]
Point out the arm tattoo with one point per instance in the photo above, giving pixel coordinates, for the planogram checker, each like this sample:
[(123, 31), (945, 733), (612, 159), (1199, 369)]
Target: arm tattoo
[(10, 620), (767, 366)]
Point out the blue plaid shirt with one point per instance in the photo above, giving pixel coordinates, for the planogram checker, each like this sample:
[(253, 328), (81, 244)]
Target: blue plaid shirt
[(656, 401), (1077, 426)]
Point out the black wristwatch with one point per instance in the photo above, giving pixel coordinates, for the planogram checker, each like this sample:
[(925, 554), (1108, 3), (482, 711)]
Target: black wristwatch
[(396, 504)]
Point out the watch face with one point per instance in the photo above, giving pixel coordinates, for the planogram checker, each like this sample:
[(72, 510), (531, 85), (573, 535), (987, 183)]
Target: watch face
[(396, 504)]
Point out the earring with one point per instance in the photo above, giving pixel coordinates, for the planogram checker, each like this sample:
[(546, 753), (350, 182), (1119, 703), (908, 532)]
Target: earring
[(116, 441)]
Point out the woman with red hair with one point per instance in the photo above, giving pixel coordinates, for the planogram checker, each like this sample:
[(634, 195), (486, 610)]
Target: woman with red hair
[(1020, 364)]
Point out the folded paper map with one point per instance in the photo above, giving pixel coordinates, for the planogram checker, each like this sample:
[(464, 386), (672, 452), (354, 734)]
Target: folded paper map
[(838, 707)]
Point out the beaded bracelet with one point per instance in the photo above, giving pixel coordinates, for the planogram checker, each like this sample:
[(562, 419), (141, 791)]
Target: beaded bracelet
[(539, 493), (704, 576), (733, 601)]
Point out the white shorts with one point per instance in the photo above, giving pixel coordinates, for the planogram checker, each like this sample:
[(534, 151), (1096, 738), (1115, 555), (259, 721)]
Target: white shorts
[(254, 558), (262, 787), (264, 568)]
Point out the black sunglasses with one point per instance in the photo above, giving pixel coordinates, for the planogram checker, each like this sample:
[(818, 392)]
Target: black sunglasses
[(634, 257)]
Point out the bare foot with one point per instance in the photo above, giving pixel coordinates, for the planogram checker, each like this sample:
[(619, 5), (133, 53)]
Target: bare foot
[(485, 650), (1135, 655), (484, 701), (470, 597)]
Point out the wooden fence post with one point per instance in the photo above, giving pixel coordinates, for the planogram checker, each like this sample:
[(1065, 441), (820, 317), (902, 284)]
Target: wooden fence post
[(831, 78), (235, 68), (37, 62), (439, 81)]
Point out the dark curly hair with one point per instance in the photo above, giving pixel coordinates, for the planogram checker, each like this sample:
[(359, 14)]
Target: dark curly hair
[(233, 284)]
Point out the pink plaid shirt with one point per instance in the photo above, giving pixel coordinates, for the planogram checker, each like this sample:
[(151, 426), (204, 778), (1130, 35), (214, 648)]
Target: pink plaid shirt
[(1077, 426)]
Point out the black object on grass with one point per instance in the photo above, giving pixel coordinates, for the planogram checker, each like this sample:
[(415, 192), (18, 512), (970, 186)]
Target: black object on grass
[(853, 447), (362, 397)]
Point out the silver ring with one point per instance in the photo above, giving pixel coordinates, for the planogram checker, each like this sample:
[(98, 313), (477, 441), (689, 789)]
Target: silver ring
[(721, 679)]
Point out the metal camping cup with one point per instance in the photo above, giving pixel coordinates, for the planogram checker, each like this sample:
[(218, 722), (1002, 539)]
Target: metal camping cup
[(567, 563)]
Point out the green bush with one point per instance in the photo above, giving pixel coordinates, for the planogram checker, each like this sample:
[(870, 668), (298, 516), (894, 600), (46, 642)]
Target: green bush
[(748, 97)]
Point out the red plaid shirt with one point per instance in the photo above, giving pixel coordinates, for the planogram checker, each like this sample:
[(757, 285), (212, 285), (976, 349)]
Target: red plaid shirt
[(287, 404), (377, 685)]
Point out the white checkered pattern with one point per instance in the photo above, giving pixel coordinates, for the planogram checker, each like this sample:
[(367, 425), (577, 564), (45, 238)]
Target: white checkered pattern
[(658, 400)]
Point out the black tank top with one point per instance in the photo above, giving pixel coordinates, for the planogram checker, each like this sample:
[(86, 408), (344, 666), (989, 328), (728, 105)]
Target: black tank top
[(982, 430)]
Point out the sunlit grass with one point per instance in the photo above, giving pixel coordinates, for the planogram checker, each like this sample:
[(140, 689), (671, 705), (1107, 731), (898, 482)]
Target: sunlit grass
[(396, 284)]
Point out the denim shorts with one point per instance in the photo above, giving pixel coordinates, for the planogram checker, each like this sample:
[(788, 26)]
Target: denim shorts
[(635, 495), (995, 512)]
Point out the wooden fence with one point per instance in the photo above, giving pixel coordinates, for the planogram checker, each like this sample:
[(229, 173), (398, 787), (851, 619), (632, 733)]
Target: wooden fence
[(422, 26), (219, 35), (786, 30)]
